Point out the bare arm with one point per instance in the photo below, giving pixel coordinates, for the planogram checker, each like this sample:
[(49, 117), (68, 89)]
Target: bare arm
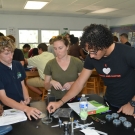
[(25, 93), (78, 85), (75, 89), (47, 82), (22, 62), (13, 104)]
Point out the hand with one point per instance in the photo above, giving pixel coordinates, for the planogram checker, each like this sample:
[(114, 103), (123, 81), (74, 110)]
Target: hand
[(26, 101), (56, 85), (30, 111), (33, 69), (53, 106), (67, 86), (126, 109)]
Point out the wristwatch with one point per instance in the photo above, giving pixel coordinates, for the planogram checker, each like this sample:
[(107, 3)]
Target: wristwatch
[(132, 103)]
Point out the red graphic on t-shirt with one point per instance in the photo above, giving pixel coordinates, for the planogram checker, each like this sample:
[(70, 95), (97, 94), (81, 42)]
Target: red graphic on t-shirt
[(107, 70)]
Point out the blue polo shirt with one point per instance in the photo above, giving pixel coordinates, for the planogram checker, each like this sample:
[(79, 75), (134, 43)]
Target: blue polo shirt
[(10, 80)]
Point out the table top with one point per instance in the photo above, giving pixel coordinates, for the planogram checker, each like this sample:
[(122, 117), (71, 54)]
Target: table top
[(38, 128)]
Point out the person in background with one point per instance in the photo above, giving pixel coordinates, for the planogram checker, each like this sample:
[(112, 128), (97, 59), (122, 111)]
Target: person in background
[(13, 92), (1, 34), (74, 49), (106, 57), (124, 39), (33, 52), (62, 71), (84, 52), (39, 62), (50, 47), (68, 37), (18, 55), (115, 39), (25, 50)]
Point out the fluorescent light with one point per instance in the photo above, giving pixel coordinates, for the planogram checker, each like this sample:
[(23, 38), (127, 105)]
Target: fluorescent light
[(105, 10), (35, 4)]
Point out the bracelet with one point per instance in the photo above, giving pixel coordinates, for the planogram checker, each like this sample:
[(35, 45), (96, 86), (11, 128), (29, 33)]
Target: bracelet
[(62, 101)]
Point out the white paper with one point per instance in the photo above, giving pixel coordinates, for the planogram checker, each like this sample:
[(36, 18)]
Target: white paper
[(75, 107), (11, 116), (89, 131)]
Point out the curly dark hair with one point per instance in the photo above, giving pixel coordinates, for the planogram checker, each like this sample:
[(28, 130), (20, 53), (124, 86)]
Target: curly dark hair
[(97, 36)]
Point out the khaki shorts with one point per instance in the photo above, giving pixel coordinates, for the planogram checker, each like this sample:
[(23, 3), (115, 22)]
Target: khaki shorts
[(35, 82)]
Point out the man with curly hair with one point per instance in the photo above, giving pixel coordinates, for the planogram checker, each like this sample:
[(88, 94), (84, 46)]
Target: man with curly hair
[(115, 64)]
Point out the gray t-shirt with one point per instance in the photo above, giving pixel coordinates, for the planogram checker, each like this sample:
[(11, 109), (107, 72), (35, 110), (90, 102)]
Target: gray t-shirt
[(58, 74)]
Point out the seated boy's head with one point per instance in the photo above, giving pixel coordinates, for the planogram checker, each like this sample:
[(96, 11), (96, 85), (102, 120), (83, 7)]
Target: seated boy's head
[(6, 44), (6, 50)]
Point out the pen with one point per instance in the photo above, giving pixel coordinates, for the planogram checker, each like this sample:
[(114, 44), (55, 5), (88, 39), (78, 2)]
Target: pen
[(106, 111)]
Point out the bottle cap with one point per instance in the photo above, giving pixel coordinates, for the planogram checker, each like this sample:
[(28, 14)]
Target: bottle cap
[(83, 95), (127, 124), (116, 122), (109, 117), (115, 115), (122, 119)]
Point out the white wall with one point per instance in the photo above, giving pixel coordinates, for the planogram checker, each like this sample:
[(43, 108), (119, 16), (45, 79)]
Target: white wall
[(46, 22), (123, 21)]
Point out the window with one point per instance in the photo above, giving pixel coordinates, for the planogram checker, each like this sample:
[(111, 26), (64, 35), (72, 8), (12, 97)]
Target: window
[(76, 33), (28, 37), (3, 31), (46, 35)]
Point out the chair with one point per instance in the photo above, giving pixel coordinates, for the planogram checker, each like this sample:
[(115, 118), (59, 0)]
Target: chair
[(44, 93), (102, 87), (93, 84)]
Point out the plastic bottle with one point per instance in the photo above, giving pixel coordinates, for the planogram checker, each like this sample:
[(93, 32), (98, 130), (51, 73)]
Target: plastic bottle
[(83, 107)]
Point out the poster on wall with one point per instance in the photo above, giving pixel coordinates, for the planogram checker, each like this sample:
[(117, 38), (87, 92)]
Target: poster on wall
[(128, 29), (12, 31)]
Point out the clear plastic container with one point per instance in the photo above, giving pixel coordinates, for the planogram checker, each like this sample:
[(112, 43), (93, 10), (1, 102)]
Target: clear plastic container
[(83, 107)]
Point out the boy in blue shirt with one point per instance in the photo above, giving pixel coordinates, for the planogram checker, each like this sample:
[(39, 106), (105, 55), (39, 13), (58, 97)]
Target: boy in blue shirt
[(13, 92)]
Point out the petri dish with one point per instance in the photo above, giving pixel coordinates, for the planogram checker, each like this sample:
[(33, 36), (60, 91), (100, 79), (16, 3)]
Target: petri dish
[(116, 122), (122, 119), (109, 117), (127, 124), (115, 115)]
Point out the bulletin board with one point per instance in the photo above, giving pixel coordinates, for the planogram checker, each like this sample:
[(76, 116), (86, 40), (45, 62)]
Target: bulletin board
[(129, 29)]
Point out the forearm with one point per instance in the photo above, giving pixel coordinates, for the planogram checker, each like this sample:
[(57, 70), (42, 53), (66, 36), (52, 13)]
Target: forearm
[(48, 85), (13, 104), (25, 91)]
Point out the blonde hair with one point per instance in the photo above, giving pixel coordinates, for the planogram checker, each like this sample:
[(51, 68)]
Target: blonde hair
[(6, 44)]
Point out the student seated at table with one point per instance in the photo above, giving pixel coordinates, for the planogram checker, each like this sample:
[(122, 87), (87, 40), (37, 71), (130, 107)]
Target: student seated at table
[(62, 71), (33, 52), (25, 50), (39, 62), (13, 92)]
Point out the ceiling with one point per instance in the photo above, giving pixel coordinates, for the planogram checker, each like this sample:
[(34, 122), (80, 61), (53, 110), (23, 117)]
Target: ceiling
[(71, 8)]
